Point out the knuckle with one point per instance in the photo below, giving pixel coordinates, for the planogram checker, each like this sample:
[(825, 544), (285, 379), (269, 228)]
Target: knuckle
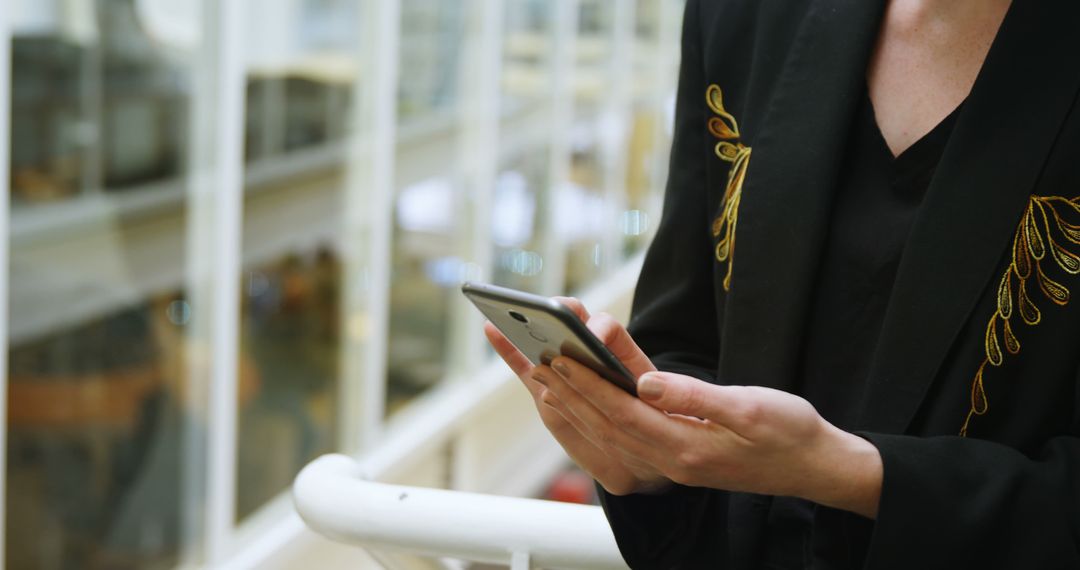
[(682, 475), (548, 397), (749, 414), (693, 399), (605, 327), (688, 460)]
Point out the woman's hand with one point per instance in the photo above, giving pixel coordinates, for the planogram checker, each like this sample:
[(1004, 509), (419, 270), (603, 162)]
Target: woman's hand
[(737, 438), (617, 471)]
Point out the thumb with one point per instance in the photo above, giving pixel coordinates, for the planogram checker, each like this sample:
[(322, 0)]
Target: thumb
[(680, 394)]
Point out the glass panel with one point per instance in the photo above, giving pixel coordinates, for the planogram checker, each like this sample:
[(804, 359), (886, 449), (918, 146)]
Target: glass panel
[(588, 216), (528, 46), (301, 77), (643, 160), (430, 212), (655, 58), (96, 399), (518, 218), (520, 192), (584, 219), (432, 38), (425, 275)]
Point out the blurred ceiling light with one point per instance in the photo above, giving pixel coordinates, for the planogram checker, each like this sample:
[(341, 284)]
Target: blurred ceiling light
[(513, 210), (635, 222), (427, 206), (579, 213)]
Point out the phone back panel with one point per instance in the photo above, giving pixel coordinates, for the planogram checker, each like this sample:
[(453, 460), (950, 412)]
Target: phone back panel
[(550, 329)]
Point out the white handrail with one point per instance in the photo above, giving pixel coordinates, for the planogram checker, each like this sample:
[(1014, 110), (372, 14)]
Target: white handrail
[(333, 498)]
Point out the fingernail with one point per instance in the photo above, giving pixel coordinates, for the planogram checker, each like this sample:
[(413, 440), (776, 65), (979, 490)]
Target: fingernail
[(650, 387), (539, 378), (561, 369)]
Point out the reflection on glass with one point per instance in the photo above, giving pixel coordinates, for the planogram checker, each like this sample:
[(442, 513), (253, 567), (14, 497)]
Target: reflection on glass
[(528, 46), (584, 215), (300, 88), (96, 105), (649, 134), (518, 219), (595, 49), (425, 274), (432, 36), (290, 344), (586, 229), (429, 216), (96, 419), (642, 197)]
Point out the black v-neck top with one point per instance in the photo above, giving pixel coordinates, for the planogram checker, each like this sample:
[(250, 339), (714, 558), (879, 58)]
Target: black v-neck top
[(877, 199)]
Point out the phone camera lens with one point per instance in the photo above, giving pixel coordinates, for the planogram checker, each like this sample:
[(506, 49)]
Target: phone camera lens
[(519, 317)]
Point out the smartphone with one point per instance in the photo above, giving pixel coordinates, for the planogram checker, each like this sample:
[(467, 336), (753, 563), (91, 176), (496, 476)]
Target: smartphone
[(543, 328)]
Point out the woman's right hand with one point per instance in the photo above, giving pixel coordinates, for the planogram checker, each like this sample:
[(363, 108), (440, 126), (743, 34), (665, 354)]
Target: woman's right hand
[(617, 471)]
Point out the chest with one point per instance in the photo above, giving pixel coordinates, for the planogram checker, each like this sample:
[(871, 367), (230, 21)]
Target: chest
[(924, 64)]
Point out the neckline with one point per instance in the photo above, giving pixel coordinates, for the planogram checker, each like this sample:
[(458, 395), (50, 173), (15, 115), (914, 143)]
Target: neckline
[(933, 139)]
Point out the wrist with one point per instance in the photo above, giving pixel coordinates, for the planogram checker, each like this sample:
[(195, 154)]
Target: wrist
[(849, 473)]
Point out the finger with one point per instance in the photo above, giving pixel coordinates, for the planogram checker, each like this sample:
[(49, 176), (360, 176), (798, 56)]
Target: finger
[(624, 458), (534, 387), (732, 406), (618, 341), (594, 459), (575, 305), (616, 418), (507, 351), (549, 400), (552, 404), (611, 469)]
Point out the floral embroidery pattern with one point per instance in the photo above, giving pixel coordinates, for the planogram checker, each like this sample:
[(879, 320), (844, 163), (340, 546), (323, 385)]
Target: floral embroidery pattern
[(724, 127), (1044, 218)]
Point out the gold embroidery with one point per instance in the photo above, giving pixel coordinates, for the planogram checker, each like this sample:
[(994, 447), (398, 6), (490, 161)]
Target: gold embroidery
[(1034, 238), (724, 127)]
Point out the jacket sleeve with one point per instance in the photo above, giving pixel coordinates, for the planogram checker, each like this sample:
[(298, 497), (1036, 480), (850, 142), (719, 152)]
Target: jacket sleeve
[(953, 502), (674, 322)]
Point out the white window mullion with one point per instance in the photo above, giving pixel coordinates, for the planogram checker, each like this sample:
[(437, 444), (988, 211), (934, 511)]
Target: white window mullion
[(5, 193), (214, 250), (666, 69), (562, 120), (618, 119), (229, 132), (478, 152), (383, 59)]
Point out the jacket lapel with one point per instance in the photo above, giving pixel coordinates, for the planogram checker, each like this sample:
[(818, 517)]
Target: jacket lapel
[(974, 203), (788, 192)]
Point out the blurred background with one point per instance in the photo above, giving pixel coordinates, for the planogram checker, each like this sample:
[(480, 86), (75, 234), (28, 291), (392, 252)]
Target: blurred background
[(235, 233)]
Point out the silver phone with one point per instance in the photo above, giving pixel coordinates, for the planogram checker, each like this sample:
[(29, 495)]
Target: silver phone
[(543, 328)]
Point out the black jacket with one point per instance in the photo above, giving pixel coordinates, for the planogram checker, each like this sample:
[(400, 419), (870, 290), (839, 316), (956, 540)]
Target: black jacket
[(972, 399)]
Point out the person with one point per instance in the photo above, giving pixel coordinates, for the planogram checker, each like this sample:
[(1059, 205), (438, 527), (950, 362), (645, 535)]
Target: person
[(852, 333)]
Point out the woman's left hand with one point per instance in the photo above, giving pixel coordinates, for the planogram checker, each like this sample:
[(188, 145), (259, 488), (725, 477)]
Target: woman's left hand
[(737, 438)]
